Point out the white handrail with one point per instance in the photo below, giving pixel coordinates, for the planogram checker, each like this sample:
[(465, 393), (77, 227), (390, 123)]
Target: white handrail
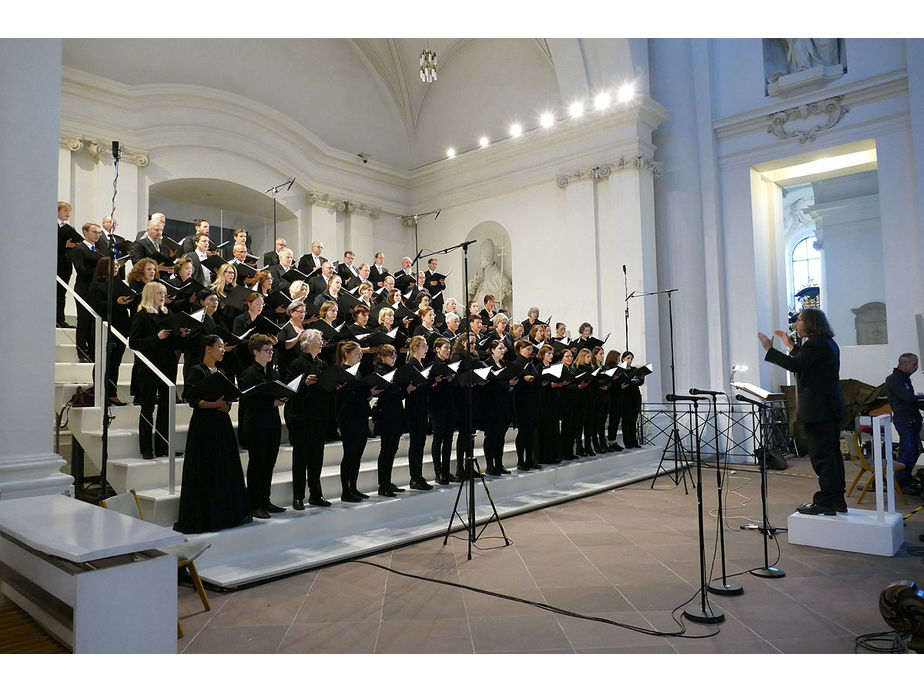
[(881, 423), (99, 379)]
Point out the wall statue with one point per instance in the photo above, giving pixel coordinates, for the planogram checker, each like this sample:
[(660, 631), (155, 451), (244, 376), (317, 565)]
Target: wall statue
[(805, 53), (493, 275)]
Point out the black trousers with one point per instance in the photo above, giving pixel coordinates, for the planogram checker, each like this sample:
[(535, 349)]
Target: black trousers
[(444, 423), (417, 429), (86, 344), (262, 450), (567, 433), (494, 438), (354, 435), (148, 441), (525, 442), (112, 367), (630, 412), (307, 438), (824, 449), (388, 447), (61, 296)]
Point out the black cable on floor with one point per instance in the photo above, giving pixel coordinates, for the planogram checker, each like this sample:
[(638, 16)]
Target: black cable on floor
[(894, 642), (554, 609)]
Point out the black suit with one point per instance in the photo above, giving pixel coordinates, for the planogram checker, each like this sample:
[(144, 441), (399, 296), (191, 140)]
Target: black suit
[(820, 408), (260, 431), (306, 263), (270, 258), (376, 276), (346, 274), (66, 232), (146, 248), (84, 260)]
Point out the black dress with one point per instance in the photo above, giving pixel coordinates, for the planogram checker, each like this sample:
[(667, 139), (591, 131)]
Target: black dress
[(212, 496), (526, 404)]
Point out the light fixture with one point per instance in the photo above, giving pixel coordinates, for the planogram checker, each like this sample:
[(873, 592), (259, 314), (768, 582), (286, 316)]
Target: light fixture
[(625, 93), (547, 120), (516, 130), (576, 109), (602, 100), (450, 153), (427, 66), (484, 142)]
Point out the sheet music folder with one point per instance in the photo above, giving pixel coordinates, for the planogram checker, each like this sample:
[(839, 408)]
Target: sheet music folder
[(758, 392)]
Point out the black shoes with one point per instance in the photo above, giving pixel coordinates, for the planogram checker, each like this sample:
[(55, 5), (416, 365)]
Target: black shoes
[(261, 514), (147, 455), (386, 491), (350, 497), (815, 509), (270, 508), (116, 402), (420, 485), (298, 504), (396, 489), (319, 501)]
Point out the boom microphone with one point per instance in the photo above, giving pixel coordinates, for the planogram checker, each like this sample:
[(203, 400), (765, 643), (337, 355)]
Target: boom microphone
[(694, 391), (682, 398)]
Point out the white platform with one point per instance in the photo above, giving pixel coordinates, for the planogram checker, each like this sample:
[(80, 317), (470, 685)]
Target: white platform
[(860, 531)]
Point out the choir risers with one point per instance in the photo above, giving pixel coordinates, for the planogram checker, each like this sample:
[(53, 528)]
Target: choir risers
[(296, 541)]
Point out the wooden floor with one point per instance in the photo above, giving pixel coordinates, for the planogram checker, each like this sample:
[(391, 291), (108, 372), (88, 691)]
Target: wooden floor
[(20, 634)]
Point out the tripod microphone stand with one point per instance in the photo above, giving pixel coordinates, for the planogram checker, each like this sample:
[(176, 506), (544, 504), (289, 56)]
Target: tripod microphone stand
[(467, 483), (275, 189), (680, 471), (704, 612), (767, 571), (720, 585)]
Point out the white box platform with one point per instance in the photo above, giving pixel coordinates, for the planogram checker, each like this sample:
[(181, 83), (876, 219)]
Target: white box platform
[(860, 531)]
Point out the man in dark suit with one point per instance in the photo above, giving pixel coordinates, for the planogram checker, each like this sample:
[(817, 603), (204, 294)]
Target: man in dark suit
[(271, 257), (435, 284), (317, 283), (345, 269), (67, 239), (378, 271), (821, 406), (189, 243), (150, 246), (286, 262), (309, 261), (84, 257), (906, 417)]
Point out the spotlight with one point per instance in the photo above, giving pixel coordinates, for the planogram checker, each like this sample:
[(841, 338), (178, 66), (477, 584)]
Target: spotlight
[(516, 130), (602, 100), (483, 142), (576, 109), (626, 92), (450, 153), (547, 120)]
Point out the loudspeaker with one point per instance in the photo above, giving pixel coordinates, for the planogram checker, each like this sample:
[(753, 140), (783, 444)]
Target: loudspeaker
[(774, 459)]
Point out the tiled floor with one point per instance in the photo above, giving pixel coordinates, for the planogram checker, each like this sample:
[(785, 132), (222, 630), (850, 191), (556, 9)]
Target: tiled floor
[(630, 556)]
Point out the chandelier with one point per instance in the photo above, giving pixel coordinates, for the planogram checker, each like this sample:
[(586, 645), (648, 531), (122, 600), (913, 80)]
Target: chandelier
[(427, 66)]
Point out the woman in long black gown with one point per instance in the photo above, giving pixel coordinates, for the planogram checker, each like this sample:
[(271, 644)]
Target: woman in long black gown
[(567, 401), (307, 417), (212, 495), (549, 443)]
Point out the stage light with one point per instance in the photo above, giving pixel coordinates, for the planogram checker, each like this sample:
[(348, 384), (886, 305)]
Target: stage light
[(484, 142), (547, 120), (516, 130), (450, 153), (602, 100), (625, 93), (576, 110)]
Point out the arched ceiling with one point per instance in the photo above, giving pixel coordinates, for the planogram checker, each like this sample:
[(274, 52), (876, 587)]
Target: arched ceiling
[(365, 95)]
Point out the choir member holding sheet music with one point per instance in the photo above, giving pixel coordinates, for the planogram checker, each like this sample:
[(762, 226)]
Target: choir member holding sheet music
[(497, 408), (152, 336), (259, 428), (287, 347), (526, 403), (443, 414), (212, 495), (632, 380), (389, 418), (121, 318), (307, 415), (417, 406), (549, 434), (352, 396), (614, 399)]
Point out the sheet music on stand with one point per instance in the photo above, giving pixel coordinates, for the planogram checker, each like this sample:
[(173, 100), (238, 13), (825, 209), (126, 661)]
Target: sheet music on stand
[(758, 392)]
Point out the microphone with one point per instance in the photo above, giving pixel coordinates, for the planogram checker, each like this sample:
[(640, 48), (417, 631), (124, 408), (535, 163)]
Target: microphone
[(623, 269), (695, 391), (115, 149), (681, 398)]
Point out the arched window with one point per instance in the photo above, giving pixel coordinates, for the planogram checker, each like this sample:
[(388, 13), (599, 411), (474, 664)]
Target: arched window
[(805, 266)]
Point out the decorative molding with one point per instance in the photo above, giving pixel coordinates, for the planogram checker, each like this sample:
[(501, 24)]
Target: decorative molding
[(831, 108), (602, 172), (98, 150), (345, 206)]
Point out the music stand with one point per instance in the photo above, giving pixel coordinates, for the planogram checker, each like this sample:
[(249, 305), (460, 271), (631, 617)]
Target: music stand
[(758, 399)]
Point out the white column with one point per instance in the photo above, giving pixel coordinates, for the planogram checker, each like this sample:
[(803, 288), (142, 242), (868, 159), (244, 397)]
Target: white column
[(28, 194)]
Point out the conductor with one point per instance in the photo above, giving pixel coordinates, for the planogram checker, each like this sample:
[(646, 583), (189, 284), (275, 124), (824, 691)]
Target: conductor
[(821, 406)]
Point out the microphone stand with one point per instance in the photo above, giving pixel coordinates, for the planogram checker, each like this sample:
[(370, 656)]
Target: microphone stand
[(471, 464), (674, 438), (275, 189), (767, 571), (625, 278), (720, 585), (704, 612), (415, 216)]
